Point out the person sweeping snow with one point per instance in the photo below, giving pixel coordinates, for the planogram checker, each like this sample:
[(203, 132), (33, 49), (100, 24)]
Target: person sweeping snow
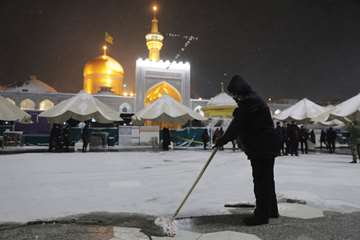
[(252, 123)]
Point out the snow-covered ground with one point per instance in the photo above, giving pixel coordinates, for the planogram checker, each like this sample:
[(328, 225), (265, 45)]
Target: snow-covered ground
[(44, 185)]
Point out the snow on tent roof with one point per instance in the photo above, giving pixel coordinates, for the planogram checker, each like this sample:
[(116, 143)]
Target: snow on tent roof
[(303, 110), (33, 85), (222, 99), (10, 112), (166, 109), (81, 107), (349, 109)]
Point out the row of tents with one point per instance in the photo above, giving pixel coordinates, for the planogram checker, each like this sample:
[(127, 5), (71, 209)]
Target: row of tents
[(306, 111), (84, 106)]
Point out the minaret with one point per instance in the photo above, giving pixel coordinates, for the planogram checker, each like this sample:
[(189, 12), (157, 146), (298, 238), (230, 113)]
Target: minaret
[(154, 39)]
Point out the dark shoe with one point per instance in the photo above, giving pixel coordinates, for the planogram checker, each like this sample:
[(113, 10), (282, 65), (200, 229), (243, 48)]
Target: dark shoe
[(353, 162), (274, 215), (254, 221)]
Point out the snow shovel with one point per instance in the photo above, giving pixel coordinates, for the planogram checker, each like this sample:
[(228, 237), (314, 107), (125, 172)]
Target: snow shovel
[(168, 225)]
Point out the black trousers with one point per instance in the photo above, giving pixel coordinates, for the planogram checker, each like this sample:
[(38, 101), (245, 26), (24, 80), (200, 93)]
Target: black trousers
[(331, 146), (294, 145), (264, 187), (85, 145), (304, 146)]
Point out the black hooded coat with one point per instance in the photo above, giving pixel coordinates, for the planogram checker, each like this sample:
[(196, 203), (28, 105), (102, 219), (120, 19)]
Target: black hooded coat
[(252, 122)]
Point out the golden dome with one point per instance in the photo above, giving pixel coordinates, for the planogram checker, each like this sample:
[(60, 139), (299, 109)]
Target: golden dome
[(101, 73), (103, 65)]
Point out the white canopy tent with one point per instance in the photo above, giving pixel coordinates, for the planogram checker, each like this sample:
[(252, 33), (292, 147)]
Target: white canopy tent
[(10, 112), (81, 107), (302, 111), (166, 109), (347, 110), (322, 120)]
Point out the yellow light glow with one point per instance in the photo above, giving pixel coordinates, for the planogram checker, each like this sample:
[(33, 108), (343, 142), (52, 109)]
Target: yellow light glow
[(125, 94), (103, 71), (131, 94), (107, 82), (155, 8), (160, 89), (105, 48)]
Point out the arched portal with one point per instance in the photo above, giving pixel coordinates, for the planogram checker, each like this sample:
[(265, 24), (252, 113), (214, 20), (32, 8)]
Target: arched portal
[(160, 89), (27, 104), (46, 104)]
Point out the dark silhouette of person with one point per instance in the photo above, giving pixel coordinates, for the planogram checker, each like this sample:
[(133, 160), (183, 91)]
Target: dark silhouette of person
[(293, 136), (323, 139), (280, 132), (312, 137), (252, 123), (205, 138), (54, 136), (166, 139), (220, 134), (354, 140), (67, 137), (304, 136), (217, 134), (331, 138), (287, 139), (85, 136)]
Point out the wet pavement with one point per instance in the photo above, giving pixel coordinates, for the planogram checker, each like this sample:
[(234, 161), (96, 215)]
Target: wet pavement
[(112, 226)]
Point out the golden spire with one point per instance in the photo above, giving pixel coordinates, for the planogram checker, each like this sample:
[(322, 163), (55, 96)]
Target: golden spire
[(154, 39), (154, 21)]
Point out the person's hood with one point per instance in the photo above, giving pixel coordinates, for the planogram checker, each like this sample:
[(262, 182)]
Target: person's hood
[(239, 87)]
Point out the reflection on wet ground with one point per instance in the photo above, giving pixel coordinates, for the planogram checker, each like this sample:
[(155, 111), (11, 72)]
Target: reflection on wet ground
[(58, 232)]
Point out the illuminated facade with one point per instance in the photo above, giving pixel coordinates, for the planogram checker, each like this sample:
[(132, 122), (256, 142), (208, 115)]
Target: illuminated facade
[(155, 77), (160, 89), (103, 74)]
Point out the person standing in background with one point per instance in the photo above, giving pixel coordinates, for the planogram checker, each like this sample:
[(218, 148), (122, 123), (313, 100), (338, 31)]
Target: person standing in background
[(205, 138), (304, 135)]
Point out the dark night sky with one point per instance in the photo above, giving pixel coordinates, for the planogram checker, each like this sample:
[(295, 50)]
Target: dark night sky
[(285, 48)]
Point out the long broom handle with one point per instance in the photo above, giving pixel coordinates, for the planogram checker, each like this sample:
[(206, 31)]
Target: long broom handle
[(196, 182)]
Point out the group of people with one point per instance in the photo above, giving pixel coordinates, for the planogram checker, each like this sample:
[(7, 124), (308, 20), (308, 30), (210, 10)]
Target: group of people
[(328, 138), (291, 136), (61, 139)]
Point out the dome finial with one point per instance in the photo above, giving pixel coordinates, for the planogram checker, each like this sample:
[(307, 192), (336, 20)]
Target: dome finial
[(105, 48), (155, 9), (222, 87)]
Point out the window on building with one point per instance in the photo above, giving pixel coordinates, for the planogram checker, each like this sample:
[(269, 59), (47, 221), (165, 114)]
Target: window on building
[(46, 105), (27, 104)]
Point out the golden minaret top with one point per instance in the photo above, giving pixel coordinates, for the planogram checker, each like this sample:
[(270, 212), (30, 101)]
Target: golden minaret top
[(154, 39)]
